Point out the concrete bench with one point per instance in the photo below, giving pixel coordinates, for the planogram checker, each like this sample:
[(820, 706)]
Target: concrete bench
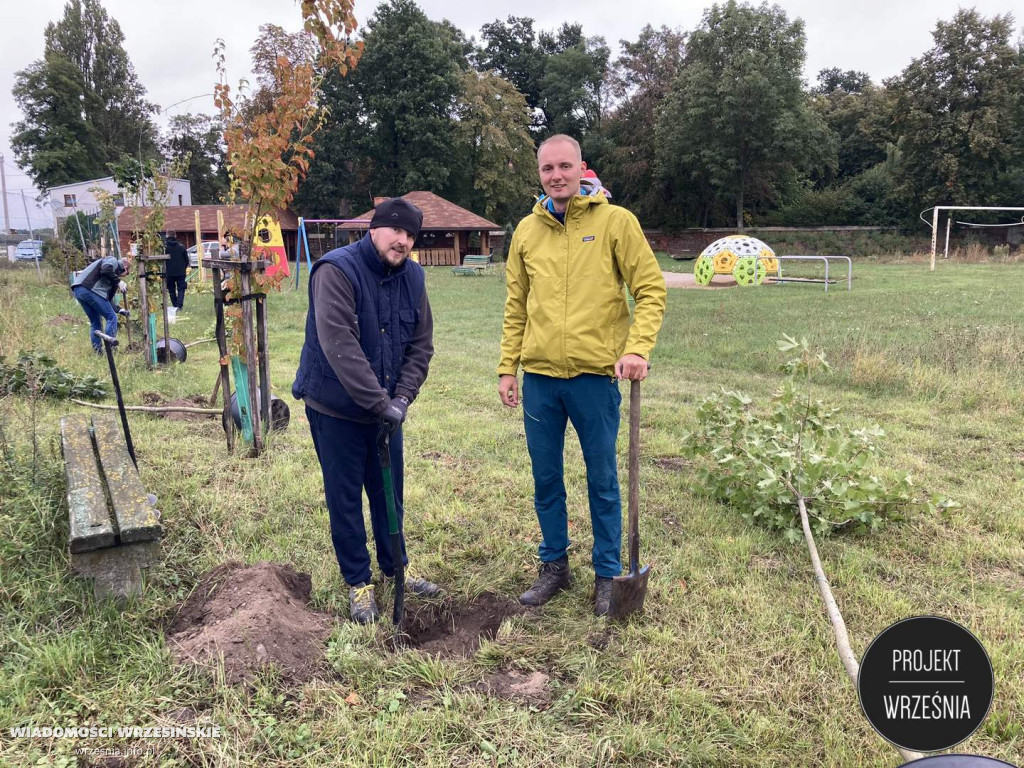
[(473, 264), (115, 529)]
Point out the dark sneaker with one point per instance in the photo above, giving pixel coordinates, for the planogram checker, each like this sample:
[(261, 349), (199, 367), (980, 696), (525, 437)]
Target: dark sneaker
[(362, 607), (602, 595), (553, 578), (422, 587)]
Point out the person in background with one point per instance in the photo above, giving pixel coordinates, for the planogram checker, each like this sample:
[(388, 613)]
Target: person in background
[(94, 288), (174, 273), (589, 181)]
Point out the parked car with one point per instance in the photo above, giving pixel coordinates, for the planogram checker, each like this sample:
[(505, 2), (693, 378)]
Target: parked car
[(209, 251), (30, 250)]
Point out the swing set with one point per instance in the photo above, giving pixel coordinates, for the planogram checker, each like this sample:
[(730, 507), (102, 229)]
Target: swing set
[(324, 230)]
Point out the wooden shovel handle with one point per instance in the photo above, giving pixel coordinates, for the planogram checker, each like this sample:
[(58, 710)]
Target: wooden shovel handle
[(634, 477)]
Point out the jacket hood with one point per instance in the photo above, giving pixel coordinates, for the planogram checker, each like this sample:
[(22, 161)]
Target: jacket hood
[(587, 197)]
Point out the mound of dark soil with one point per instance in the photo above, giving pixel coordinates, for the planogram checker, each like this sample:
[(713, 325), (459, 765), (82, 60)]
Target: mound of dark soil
[(448, 629), (252, 616)]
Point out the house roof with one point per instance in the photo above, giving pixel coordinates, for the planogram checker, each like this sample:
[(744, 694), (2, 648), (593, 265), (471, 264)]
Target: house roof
[(182, 218), (104, 178), (438, 213)]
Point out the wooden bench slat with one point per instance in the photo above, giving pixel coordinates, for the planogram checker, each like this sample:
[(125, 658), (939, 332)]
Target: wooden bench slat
[(87, 505), (137, 519)]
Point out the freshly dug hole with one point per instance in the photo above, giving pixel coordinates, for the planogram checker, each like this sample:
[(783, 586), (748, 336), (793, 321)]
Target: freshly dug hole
[(448, 629)]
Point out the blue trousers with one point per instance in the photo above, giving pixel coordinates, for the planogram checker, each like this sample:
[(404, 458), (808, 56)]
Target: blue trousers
[(348, 459), (591, 402), (98, 310)]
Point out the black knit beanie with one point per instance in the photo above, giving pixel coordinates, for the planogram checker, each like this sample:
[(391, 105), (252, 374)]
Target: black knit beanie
[(400, 213)]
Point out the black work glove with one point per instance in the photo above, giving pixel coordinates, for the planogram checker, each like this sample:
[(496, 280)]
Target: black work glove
[(394, 414), (124, 313)]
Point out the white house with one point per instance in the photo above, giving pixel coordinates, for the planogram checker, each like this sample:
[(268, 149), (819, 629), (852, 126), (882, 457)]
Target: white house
[(67, 199)]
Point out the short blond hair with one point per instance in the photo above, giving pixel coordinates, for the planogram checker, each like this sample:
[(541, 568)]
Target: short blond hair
[(562, 137)]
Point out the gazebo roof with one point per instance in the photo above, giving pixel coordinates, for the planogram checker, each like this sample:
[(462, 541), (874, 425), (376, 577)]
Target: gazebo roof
[(438, 213)]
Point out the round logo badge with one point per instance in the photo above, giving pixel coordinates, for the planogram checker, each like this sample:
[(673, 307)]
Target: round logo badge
[(925, 684)]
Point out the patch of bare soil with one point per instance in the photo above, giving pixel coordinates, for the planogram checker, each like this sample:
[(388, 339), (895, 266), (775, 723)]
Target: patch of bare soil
[(252, 616), (192, 401), (672, 463), (447, 629), (765, 563), (440, 459), (532, 688), (65, 320)]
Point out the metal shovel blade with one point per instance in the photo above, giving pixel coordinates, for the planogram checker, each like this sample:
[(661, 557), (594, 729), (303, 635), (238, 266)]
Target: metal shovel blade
[(628, 593)]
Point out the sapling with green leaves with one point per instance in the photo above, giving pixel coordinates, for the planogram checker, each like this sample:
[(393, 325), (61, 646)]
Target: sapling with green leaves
[(795, 468)]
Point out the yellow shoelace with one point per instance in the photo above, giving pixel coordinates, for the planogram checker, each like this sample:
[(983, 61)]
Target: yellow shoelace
[(362, 597)]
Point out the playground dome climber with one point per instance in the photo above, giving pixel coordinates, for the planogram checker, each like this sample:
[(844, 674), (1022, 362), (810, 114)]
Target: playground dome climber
[(747, 259)]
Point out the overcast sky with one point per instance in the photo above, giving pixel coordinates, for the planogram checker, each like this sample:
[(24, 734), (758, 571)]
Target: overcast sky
[(170, 43)]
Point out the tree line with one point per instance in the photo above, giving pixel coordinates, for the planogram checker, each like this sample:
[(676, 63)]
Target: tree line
[(708, 127)]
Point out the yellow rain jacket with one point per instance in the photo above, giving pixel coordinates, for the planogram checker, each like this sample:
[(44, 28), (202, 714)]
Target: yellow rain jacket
[(566, 311)]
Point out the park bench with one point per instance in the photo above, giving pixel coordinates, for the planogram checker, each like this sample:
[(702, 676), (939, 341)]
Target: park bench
[(115, 529), (473, 264)]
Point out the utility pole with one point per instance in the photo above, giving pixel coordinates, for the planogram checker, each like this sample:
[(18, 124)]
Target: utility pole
[(27, 217), (35, 251), (3, 190)]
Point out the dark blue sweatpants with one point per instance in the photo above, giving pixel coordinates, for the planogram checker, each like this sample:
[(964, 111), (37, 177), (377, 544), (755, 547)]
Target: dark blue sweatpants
[(348, 459), (591, 402)]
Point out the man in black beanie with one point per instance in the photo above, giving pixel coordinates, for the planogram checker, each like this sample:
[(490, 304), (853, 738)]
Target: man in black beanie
[(369, 340)]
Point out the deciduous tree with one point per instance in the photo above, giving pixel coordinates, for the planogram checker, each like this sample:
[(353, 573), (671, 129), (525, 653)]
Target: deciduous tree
[(956, 112), (196, 143), (494, 130), (737, 118), (53, 141), (85, 77)]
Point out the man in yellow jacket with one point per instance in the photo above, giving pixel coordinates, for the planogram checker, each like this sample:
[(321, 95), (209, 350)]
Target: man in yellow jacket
[(567, 324)]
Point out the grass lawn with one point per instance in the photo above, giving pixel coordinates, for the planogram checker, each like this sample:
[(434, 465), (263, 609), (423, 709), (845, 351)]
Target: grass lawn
[(733, 663)]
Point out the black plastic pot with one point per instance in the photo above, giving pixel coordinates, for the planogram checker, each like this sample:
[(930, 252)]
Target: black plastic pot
[(178, 351), (280, 414)]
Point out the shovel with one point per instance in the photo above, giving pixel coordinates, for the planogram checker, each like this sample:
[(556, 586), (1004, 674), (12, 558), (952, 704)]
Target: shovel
[(628, 591), (394, 529), (109, 343)]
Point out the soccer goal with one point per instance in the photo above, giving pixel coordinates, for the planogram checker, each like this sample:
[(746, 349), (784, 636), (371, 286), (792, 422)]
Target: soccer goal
[(949, 221)]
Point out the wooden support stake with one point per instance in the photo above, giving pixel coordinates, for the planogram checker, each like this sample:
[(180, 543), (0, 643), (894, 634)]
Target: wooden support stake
[(200, 251), (261, 341), (167, 326), (250, 356), (128, 319), (222, 344), (144, 310)]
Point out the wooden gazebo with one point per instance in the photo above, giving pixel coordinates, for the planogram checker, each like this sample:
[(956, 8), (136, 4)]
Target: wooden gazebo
[(447, 230)]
